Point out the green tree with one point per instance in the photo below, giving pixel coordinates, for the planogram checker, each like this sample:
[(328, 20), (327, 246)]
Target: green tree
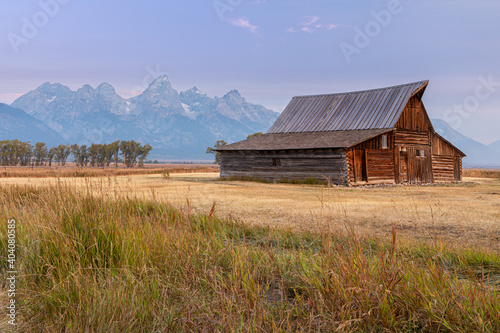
[(62, 153), (112, 151), (8, 153), (143, 153), (93, 154), (40, 152), (212, 150), (116, 147), (51, 154), (24, 152), (101, 155), (80, 154), (130, 151), (254, 135)]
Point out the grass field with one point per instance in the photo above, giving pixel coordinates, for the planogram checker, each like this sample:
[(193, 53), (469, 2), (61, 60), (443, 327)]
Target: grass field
[(188, 252), (70, 170), (467, 213)]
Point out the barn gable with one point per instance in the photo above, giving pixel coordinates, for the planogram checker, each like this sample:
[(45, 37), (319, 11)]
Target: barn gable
[(374, 136)]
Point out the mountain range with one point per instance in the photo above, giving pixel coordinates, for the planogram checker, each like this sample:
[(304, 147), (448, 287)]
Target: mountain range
[(495, 146), (16, 124), (179, 126)]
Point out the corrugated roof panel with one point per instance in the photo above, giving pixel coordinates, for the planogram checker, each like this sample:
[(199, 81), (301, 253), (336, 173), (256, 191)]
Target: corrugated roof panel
[(384, 97), (314, 111), (331, 103), (347, 103), (370, 102), (371, 109)]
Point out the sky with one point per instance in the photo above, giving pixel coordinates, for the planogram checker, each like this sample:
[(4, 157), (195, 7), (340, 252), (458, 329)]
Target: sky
[(269, 50)]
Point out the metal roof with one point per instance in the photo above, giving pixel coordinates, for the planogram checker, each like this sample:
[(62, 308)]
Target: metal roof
[(361, 110), (306, 140)]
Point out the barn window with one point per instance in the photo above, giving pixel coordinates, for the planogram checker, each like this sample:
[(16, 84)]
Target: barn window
[(276, 162), (420, 153), (385, 142)]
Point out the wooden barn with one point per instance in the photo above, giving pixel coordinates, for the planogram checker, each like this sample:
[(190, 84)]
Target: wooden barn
[(366, 137)]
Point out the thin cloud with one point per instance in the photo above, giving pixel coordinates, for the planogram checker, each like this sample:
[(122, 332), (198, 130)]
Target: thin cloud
[(245, 24), (310, 20), (311, 24), (332, 26)]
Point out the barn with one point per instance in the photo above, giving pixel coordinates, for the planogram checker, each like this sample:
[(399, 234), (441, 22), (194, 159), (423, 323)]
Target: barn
[(366, 137)]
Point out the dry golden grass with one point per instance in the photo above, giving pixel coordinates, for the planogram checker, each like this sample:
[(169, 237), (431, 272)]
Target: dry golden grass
[(70, 170), (152, 253), (467, 213), (482, 173)]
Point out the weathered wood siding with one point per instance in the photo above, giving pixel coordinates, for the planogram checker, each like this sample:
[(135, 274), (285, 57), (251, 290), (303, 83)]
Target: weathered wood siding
[(415, 154), (290, 164), (412, 138), (458, 168), (443, 168), (380, 166), (419, 168), (413, 135), (410, 166), (414, 117), (441, 147), (350, 166), (376, 142), (446, 161), (369, 163)]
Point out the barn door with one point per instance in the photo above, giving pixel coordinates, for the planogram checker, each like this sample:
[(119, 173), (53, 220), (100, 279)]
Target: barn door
[(360, 166), (403, 167)]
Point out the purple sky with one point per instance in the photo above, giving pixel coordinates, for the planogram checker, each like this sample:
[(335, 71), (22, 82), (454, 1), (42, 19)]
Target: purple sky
[(269, 50)]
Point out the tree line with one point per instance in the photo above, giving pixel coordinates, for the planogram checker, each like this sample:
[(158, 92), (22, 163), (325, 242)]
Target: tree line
[(15, 152)]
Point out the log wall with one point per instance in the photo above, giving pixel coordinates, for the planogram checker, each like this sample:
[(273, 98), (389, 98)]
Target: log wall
[(380, 166), (443, 168), (446, 160), (369, 163), (412, 138), (293, 164)]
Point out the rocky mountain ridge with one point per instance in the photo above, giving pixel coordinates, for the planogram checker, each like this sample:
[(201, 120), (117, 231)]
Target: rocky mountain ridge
[(177, 125)]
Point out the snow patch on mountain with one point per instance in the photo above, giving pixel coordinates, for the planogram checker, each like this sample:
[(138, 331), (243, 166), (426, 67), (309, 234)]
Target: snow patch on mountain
[(187, 111)]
